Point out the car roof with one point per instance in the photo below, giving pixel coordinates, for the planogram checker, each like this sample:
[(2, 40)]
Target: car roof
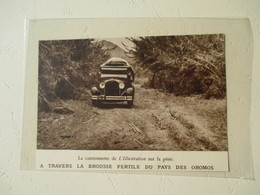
[(115, 60)]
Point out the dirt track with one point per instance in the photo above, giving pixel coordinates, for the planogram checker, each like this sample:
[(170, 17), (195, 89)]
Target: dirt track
[(157, 121)]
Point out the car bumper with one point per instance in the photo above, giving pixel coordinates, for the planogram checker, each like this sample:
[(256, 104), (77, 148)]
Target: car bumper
[(111, 98)]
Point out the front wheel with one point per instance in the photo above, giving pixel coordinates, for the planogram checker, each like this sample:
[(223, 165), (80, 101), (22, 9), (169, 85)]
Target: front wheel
[(130, 104), (95, 103)]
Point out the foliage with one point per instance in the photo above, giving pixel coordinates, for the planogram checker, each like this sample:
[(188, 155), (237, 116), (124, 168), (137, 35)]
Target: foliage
[(66, 67), (184, 65)]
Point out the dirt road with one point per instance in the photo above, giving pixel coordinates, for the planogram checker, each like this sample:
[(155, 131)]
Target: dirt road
[(157, 121)]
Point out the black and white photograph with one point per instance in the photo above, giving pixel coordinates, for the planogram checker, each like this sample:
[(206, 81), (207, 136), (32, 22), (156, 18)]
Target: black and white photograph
[(130, 97), (163, 93)]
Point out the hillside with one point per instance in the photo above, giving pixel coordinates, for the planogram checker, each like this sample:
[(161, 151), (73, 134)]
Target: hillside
[(115, 50)]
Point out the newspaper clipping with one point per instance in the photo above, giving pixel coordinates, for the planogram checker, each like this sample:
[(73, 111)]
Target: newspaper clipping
[(131, 95), (134, 95)]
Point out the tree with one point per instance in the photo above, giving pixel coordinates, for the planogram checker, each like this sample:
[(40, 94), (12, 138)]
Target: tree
[(67, 67), (184, 65)]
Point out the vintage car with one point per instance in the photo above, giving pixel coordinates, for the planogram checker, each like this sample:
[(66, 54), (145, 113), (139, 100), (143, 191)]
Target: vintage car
[(115, 83)]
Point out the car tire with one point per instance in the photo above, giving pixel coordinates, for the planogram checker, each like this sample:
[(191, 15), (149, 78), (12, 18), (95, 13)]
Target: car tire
[(95, 103), (130, 104)]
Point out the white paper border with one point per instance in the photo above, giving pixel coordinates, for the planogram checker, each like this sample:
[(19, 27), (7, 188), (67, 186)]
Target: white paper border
[(238, 70)]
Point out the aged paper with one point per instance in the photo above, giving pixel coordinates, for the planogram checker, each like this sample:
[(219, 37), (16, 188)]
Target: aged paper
[(149, 137)]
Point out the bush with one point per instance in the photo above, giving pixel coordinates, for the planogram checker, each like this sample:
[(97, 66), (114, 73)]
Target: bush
[(183, 65), (67, 66)]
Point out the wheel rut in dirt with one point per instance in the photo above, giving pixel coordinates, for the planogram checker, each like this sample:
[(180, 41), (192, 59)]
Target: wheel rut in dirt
[(157, 121)]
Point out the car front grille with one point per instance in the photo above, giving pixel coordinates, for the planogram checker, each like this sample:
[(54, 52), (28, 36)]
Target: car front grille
[(112, 88)]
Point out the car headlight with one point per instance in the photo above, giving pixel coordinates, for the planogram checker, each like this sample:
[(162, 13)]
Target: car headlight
[(94, 91), (102, 85), (130, 91), (121, 85)]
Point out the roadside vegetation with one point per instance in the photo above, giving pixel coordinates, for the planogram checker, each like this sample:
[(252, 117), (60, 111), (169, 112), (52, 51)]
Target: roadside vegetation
[(67, 68), (182, 65)]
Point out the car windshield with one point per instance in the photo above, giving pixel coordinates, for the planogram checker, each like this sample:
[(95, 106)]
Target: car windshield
[(115, 72), (116, 64)]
